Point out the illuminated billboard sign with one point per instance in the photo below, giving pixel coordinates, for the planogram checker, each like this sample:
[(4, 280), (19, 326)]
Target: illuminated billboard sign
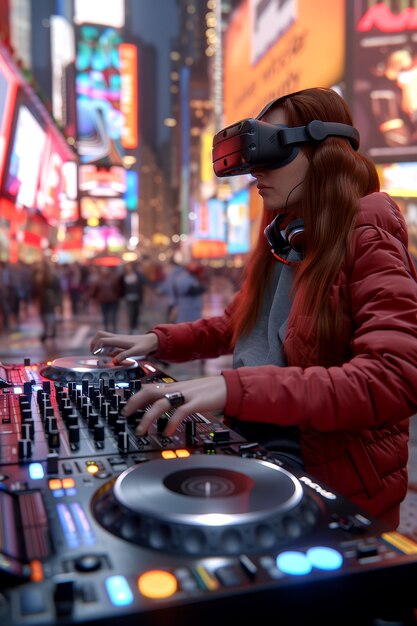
[(107, 12), (38, 173), (102, 182), (67, 197), (238, 226), (57, 190), (102, 208), (25, 159), (8, 90), (269, 20), (62, 62), (306, 48), (210, 229), (33, 153), (211, 220), (100, 120), (103, 238), (384, 80), (132, 190), (129, 94)]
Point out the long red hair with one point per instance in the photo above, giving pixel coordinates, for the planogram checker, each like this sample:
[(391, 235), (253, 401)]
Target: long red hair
[(337, 178)]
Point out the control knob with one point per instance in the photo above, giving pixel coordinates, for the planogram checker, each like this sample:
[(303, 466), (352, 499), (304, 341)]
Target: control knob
[(24, 448), (74, 433)]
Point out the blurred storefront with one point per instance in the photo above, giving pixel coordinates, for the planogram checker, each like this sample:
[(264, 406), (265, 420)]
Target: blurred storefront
[(34, 159)]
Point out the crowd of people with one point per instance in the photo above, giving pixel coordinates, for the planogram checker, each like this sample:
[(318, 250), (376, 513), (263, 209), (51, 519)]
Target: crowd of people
[(57, 291)]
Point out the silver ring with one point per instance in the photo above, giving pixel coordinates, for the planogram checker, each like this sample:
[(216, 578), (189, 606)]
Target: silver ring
[(175, 399)]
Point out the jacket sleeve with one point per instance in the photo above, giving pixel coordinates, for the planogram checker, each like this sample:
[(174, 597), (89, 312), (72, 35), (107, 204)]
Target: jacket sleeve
[(378, 385), (202, 339)]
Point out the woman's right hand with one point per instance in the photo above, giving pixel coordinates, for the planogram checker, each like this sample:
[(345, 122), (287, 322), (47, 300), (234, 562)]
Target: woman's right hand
[(121, 347)]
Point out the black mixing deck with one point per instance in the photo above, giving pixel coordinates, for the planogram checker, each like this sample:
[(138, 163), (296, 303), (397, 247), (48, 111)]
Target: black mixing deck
[(99, 526)]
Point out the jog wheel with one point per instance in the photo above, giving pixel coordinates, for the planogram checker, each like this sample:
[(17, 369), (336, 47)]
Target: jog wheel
[(91, 368), (207, 505)]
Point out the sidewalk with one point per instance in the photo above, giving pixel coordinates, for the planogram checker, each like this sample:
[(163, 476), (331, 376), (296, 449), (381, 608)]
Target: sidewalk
[(75, 333)]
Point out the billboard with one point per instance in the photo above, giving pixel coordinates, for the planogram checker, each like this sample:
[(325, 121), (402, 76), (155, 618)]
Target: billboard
[(383, 83), (211, 220), (103, 239), (35, 158), (38, 172), (264, 59), (107, 12), (102, 182), (132, 190), (57, 193), (102, 208), (68, 194), (100, 120), (129, 94), (269, 21), (63, 68), (8, 90), (238, 225), (26, 150)]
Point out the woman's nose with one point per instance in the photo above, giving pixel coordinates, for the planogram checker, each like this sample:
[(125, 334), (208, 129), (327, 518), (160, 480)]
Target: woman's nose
[(257, 172)]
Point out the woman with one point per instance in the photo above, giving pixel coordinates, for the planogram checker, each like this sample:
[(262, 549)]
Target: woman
[(324, 337)]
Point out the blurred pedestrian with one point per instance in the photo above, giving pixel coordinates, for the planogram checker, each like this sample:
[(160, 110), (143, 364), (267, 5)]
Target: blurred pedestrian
[(184, 290), (133, 282), (5, 293), (75, 287), (47, 292), (107, 292)]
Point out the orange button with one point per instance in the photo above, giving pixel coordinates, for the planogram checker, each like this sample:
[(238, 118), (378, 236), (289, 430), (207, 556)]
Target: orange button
[(157, 584), (36, 571), (55, 483), (68, 483), (168, 454), (182, 453)]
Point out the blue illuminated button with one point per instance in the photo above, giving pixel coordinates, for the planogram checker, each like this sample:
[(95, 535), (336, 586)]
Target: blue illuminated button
[(325, 558), (119, 591), (36, 471), (294, 563)]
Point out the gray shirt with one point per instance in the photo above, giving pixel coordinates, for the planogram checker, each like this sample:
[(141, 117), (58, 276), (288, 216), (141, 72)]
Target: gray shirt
[(263, 346)]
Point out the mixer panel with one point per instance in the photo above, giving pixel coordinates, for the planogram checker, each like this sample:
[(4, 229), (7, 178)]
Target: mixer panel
[(99, 526)]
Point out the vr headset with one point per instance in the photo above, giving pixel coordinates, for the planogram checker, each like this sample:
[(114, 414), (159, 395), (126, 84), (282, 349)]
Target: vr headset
[(250, 143)]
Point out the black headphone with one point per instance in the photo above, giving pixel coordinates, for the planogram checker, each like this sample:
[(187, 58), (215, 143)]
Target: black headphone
[(282, 241)]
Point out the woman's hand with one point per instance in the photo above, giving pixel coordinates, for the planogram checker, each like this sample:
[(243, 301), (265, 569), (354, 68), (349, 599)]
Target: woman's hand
[(201, 394), (121, 347)]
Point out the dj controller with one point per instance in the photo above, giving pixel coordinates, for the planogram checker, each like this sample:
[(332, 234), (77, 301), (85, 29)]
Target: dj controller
[(100, 526)]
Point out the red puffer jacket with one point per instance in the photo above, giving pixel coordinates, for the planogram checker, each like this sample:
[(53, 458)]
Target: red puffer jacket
[(353, 418)]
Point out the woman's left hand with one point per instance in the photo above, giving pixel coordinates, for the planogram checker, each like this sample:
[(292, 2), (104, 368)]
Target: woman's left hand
[(201, 394)]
